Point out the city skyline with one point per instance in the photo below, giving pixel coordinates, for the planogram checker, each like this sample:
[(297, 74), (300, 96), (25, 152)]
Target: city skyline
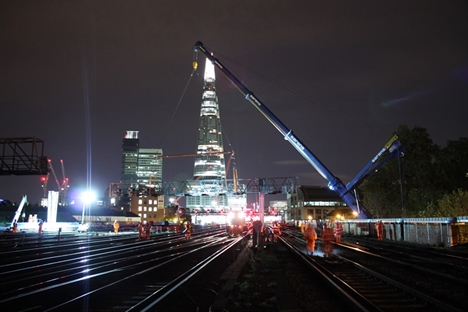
[(341, 75)]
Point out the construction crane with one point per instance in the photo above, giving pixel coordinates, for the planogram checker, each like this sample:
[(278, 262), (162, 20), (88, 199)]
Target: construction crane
[(53, 172), (394, 147), (44, 181), (234, 172), (64, 187)]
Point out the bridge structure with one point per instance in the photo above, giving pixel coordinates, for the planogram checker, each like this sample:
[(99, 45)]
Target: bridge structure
[(23, 156)]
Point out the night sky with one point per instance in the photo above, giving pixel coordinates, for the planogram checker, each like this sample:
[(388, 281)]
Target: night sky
[(342, 75)]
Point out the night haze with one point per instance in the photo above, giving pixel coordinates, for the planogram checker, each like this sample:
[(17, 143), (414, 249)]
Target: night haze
[(341, 75)]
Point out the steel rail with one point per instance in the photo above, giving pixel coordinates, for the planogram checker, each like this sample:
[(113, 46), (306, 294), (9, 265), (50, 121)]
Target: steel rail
[(349, 295), (145, 305), (175, 257), (335, 276)]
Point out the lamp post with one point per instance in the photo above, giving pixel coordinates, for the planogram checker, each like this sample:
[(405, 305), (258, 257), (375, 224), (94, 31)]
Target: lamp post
[(87, 198)]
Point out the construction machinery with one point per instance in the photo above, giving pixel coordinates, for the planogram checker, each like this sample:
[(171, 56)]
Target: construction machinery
[(346, 192)]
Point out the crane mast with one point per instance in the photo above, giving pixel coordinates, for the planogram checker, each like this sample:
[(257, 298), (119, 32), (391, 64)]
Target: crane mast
[(64, 187), (334, 183), (53, 172)]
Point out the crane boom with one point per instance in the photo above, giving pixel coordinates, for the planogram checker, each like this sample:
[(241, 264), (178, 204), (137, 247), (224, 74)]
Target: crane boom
[(334, 183), (53, 172), (63, 172), (64, 187)]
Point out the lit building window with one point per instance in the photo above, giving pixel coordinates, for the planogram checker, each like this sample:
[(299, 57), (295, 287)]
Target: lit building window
[(150, 209), (144, 215), (139, 208), (150, 202), (140, 201), (145, 209)]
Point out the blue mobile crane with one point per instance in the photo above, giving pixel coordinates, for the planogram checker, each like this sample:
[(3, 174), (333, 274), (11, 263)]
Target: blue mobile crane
[(346, 192)]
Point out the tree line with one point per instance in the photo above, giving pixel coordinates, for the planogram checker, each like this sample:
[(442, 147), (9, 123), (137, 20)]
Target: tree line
[(428, 181)]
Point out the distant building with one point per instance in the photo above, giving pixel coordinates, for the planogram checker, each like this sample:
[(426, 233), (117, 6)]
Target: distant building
[(149, 208), (105, 216), (141, 174), (315, 203), (278, 207), (130, 148), (140, 165), (149, 169)]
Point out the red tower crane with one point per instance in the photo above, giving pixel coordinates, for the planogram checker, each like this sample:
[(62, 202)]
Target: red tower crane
[(62, 188)]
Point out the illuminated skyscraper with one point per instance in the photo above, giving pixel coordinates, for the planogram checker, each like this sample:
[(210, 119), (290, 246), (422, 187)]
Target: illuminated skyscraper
[(130, 147), (149, 166), (210, 139), (140, 165)]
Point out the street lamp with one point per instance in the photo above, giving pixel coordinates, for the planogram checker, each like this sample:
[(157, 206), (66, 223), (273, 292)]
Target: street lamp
[(87, 197)]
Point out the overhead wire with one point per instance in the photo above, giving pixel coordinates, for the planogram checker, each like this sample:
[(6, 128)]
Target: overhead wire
[(178, 103)]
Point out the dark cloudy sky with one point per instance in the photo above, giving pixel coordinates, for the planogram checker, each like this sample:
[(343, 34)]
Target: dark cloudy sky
[(341, 74)]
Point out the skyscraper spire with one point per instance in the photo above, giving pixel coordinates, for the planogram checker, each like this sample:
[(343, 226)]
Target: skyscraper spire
[(210, 140), (210, 137)]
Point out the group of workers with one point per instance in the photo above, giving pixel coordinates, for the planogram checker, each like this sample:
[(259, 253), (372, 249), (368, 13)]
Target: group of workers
[(327, 235), (274, 230), (266, 234), (144, 230)]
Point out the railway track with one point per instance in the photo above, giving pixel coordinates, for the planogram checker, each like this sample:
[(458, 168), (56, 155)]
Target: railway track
[(440, 263), (117, 273), (373, 282)]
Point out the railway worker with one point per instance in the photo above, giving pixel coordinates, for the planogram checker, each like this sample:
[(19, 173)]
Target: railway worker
[(116, 227), (379, 229), (267, 233), (187, 231), (338, 231), (310, 235), (275, 228), (40, 227), (147, 230), (140, 230), (257, 230), (303, 226), (15, 226), (327, 237)]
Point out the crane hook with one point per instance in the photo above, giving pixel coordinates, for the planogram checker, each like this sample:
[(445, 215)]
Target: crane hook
[(195, 59)]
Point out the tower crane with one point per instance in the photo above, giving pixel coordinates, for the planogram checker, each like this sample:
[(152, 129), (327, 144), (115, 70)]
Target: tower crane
[(53, 172), (64, 187), (234, 172), (44, 181)]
